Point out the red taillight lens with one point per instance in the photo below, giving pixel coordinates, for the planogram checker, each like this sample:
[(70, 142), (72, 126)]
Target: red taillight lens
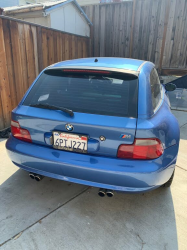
[(142, 149), (20, 133)]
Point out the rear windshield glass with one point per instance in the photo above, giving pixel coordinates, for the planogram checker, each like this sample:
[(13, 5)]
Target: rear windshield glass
[(102, 93)]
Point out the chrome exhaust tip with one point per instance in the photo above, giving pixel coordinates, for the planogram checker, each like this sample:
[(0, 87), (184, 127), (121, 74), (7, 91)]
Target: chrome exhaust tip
[(102, 192), (109, 193), (32, 176), (38, 177)]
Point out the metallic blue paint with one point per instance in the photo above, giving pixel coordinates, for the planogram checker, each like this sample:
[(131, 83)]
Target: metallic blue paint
[(106, 62), (100, 167), (97, 171), (144, 95), (45, 121)]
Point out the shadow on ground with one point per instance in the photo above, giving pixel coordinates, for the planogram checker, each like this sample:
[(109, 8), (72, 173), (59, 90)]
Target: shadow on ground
[(126, 221)]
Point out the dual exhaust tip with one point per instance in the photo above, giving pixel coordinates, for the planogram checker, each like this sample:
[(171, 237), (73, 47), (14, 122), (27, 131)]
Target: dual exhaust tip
[(36, 177), (102, 192)]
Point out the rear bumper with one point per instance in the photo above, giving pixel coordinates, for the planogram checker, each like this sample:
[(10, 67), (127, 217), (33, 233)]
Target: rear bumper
[(96, 171)]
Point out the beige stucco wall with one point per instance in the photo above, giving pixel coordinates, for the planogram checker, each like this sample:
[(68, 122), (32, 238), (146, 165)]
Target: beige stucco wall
[(44, 21)]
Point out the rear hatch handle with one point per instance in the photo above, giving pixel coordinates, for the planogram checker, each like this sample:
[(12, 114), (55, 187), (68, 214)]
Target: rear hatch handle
[(52, 107)]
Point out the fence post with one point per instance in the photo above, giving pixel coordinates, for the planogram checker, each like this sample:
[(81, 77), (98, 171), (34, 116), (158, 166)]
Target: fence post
[(164, 35), (132, 28)]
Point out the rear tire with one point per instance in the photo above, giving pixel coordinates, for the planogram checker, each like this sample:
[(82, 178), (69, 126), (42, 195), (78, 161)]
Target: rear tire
[(168, 183)]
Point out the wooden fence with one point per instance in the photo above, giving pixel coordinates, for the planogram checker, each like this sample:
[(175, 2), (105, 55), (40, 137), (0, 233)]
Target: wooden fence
[(153, 30), (26, 49)]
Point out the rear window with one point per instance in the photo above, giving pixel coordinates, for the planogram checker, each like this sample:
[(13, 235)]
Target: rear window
[(93, 92)]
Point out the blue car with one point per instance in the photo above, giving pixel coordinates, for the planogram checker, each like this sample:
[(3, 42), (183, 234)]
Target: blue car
[(101, 122)]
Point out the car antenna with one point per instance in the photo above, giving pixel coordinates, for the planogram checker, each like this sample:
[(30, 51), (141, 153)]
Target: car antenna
[(96, 60)]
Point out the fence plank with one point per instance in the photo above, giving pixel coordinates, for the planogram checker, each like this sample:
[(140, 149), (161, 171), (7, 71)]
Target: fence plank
[(116, 31), (29, 41), (122, 29), (76, 47), (44, 48), (128, 33), (67, 54), (59, 48), (2, 125), (158, 48), (178, 33), (39, 48), (4, 82), (167, 44), (136, 30), (73, 56), (9, 59), (70, 47), (183, 49), (50, 46), (96, 31), (102, 31), (23, 55), (79, 48), (153, 30), (63, 46), (132, 27), (84, 48), (18, 80), (55, 35), (34, 34)]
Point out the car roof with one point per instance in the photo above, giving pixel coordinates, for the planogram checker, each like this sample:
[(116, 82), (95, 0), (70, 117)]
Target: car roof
[(103, 62)]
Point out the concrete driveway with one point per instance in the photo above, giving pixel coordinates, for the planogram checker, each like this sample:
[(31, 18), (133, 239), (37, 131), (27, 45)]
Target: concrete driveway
[(53, 214)]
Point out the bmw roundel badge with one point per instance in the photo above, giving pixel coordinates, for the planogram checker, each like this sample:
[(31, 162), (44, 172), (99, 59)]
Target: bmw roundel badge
[(69, 127)]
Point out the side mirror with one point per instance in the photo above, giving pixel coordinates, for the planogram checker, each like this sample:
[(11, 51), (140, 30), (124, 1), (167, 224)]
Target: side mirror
[(170, 86)]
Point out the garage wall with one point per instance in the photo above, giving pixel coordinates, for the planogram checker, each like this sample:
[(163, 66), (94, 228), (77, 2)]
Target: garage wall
[(68, 19)]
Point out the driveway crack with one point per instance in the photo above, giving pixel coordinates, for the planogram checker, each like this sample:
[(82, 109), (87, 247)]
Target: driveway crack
[(181, 168), (143, 243), (16, 236), (183, 125)]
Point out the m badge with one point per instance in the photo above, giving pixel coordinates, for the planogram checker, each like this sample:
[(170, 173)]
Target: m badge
[(125, 136)]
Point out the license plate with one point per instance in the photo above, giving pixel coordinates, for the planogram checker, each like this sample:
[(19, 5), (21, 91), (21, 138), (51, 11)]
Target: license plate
[(70, 142)]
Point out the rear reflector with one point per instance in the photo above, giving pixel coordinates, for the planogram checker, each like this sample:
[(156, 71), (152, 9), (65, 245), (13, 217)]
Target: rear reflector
[(142, 149), (86, 71), (20, 133)]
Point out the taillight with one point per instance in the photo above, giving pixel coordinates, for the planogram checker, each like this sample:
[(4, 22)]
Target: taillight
[(20, 133), (142, 149)]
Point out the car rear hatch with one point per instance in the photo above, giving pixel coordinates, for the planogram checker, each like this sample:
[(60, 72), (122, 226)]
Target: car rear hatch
[(95, 106)]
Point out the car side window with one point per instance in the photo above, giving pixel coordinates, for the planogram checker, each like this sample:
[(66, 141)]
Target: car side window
[(155, 88)]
